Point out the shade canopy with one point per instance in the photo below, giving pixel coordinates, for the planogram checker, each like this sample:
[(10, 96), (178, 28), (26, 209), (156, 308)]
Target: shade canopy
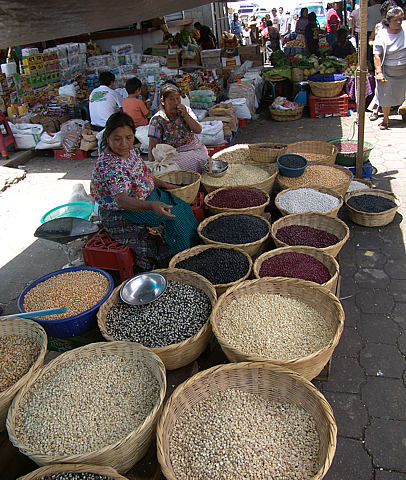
[(29, 21)]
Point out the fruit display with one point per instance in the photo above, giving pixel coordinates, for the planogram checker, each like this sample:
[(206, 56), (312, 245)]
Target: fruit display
[(295, 43), (351, 70), (352, 59)]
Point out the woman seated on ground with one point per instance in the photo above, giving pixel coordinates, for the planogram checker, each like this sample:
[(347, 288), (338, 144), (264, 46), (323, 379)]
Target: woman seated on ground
[(176, 125), (343, 47), (133, 209)]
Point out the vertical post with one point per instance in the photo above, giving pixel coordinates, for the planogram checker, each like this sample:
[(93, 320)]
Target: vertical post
[(362, 55)]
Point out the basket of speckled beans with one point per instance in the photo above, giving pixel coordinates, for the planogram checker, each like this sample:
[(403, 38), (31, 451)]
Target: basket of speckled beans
[(246, 420), (73, 472), (175, 327), (96, 405)]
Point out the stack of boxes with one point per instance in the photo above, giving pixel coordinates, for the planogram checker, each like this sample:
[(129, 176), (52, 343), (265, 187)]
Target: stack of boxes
[(253, 53), (51, 66), (33, 70)]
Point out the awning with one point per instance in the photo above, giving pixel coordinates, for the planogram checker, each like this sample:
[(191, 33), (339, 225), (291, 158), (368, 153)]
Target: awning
[(25, 22)]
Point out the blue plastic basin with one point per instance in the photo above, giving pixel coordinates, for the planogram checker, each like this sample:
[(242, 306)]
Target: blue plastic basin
[(288, 171), (73, 209), (70, 326)]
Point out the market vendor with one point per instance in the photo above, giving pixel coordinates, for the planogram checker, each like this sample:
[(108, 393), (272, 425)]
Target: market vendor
[(134, 207), (103, 101), (176, 125), (343, 47)]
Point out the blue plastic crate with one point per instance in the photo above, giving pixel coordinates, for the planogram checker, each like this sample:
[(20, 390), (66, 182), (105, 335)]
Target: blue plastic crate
[(366, 170)]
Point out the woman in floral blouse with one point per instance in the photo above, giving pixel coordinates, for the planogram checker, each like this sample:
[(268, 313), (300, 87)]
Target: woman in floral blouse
[(152, 222), (175, 124)]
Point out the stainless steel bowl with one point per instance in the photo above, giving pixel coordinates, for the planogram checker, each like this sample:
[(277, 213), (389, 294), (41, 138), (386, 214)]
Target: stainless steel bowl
[(218, 168), (143, 288)]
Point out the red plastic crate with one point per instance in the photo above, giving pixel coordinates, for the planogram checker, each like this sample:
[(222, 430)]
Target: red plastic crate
[(322, 106), (101, 251), (212, 149), (75, 155), (198, 207), (242, 122)]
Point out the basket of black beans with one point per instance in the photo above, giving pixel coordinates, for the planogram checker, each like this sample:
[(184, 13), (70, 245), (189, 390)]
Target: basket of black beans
[(372, 208), (223, 266), (175, 326), (244, 231), (77, 471)]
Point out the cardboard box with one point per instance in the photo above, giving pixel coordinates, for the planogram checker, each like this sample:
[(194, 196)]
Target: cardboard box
[(231, 62), (191, 58), (160, 49), (173, 60), (249, 50)]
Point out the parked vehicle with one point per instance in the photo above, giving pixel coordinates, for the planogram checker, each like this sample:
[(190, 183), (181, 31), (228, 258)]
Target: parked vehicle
[(245, 12), (317, 7)]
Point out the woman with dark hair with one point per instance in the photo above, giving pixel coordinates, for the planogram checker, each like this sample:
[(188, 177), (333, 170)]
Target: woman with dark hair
[(312, 35), (390, 63), (133, 209), (176, 125), (301, 24)]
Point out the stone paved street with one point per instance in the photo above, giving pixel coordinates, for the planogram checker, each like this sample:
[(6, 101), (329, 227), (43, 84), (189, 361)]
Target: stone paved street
[(366, 387)]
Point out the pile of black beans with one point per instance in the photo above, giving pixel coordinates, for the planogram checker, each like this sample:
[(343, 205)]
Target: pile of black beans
[(218, 265), (75, 476), (177, 315), (236, 229), (370, 203)]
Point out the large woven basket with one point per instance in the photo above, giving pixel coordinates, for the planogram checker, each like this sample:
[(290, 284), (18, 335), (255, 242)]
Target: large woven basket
[(265, 185), (180, 354), (315, 296), (327, 260), (314, 220), (315, 151), (121, 455), (272, 382), (304, 180), (23, 327), (239, 153), (326, 89), (258, 210), (266, 152), (50, 470), (191, 252), (192, 179), (250, 248), (333, 193), (372, 219), (286, 115)]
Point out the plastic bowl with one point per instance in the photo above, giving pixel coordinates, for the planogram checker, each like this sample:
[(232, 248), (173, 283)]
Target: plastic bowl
[(289, 171), (70, 326), (74, 209)]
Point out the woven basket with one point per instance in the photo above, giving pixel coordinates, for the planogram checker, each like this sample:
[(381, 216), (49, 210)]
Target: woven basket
[(327, 89), (340, 188), (372, 219), (239, 153), (270, 381), (364, 181), (286, 115), (265, 185), (121, 455), (315, 151), (180, 354), (257, 210), (315, 220), (297, 74), (187, 193), (191, 252), (313, 295), (327, 260), (29, 329), (250, 248), (266, 152), (77, 468), (333, 193)]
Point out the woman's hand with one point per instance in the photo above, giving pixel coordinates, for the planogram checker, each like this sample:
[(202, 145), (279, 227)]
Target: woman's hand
[(182, 110), (162, 209), (380, 77)]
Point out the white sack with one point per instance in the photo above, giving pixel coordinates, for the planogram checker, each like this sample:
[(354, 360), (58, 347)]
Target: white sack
[(241, 107), (212, 133)]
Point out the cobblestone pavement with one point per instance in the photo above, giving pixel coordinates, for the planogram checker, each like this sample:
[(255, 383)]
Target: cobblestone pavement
[(366, 388)]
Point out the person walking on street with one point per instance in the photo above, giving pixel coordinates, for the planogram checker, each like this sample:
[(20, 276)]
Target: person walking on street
[(236, 28), (333, 23), (374, 17), (355, 24), (275, 19), (283, 24)]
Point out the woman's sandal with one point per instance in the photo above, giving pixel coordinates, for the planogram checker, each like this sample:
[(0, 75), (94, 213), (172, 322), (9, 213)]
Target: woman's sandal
[(384, 126), (374, 116)]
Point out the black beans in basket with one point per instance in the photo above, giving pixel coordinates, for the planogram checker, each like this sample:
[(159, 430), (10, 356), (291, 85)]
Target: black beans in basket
[(177, 315), (218, 265), (370, 203), (292, 162), (236, 229)]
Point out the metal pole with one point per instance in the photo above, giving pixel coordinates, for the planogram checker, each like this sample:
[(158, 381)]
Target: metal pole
[(362, 52)]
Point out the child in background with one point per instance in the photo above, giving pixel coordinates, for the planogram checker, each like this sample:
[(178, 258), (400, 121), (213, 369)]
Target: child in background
[(134, 107)]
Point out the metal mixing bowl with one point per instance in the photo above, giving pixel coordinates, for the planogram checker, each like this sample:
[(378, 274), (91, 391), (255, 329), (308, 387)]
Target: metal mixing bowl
[(143, 288), (219, 168)]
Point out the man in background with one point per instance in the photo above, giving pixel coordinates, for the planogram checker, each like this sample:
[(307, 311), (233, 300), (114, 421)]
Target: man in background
[(103, 101), (236, 28), (275, 19), (283, 24)]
